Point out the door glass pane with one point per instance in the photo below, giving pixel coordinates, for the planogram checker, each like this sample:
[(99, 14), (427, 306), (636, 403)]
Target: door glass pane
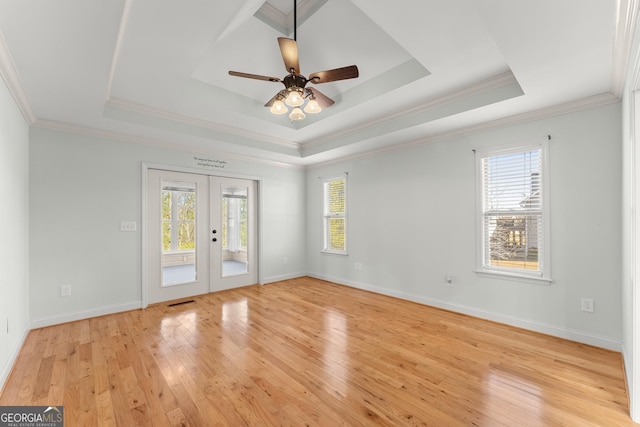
[(178, 232), (234, 230)]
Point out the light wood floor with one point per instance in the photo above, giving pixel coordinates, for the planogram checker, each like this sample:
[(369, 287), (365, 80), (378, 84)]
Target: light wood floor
[(307, 352)]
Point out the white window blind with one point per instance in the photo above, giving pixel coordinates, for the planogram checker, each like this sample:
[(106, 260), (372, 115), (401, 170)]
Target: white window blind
[(335, 215), (513, 220)]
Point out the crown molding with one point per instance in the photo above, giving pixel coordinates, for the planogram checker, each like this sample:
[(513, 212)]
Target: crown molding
[(10, 75), (115, 136), (188, 120), (495, 82), (626, 19), (531, 116)]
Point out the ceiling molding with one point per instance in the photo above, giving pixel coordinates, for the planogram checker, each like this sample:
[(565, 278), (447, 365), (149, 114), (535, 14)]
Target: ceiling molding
[(541, 114), (13, 81), (180, 118), (115, 136), (530, 116), (492, 83), (626, 20)]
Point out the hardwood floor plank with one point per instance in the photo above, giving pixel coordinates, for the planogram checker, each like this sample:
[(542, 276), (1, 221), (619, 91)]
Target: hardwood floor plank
[(310, 352), (43, 380)]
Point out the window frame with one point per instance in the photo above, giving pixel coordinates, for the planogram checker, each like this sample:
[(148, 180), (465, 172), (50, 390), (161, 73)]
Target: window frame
[(326, 215), (543, 274)]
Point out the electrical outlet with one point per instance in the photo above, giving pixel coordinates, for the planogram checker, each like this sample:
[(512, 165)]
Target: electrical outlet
[(587, 305), (285, 260), (357, 266), (449, 280), (65, 290)]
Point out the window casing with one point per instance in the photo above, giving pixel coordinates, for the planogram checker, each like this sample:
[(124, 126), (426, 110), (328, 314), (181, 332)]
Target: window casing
[(335, 215), (513, 220)]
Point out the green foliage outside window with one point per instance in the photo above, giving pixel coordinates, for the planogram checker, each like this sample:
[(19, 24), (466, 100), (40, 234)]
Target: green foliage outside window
[(184, 221), (166, 220)]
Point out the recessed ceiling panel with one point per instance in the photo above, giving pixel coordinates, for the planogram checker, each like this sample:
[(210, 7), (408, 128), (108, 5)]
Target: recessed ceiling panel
[(279, 14), (338, 34)]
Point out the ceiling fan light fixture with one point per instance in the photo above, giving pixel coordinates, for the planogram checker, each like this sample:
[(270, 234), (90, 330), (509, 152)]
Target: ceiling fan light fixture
[(294, 98), (312, 107), (295, 92), (296, 114), (278, 107)]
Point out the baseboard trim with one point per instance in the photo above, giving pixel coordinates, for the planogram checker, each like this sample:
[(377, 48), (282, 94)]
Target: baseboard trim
[(282, 277), (13, 356), (84, 314), (578, 336)]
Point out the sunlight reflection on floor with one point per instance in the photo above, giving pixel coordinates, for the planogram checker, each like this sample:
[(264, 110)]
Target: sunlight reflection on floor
[(335, 356), (235, 312), (517, 394)]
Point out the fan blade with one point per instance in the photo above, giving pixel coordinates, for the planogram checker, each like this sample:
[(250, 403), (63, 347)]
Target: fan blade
[(289, 51), (344, 73), (254, 76), (323, 100)]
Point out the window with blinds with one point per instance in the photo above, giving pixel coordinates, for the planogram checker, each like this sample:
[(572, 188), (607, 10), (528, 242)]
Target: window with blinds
[(512, 221), (335, 215)]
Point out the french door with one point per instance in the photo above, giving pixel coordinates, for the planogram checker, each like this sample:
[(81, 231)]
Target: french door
[(234, 222), (201, 234)]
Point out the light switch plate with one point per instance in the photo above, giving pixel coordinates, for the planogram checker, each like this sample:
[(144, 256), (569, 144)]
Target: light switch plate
[(128, 226)]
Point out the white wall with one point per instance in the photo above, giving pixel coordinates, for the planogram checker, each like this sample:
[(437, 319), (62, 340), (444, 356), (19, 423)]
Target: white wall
[(14, 217), (630, 221), (411, 222), (82, 187)]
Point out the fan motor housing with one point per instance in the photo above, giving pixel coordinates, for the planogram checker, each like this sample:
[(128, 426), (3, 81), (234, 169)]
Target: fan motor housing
[(294, 81)]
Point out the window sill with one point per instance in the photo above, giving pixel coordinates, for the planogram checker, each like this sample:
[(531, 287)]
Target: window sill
[(514, 276), (179, 252), (325, 251)]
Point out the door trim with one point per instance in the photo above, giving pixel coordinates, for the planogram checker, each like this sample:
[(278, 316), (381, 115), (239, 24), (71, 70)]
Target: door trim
[(145, 211)]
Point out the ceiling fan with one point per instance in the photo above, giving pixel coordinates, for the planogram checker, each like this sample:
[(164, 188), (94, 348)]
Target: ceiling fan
[(295, 91)]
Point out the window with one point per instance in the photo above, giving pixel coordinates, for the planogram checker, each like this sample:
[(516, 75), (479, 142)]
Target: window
[(178, 217), (335, 215), (234, 219), (512, 219)]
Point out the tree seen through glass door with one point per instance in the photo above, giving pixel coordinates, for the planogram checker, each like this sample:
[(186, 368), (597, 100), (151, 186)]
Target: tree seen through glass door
[(178, 232)]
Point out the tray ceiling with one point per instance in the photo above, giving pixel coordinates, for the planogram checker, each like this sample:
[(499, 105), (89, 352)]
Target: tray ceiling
[(156, 70)]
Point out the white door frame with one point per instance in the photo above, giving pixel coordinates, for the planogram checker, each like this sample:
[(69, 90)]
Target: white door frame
[(145, 211)]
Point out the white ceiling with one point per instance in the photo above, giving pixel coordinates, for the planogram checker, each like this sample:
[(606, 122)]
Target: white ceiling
[(155, 71)]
